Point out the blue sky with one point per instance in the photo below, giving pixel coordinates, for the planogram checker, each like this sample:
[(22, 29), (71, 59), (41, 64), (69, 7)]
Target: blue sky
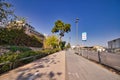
[(99, 18)]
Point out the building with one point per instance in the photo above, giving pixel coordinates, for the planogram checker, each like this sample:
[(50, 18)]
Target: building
[(99, 48), (31, 31), (114, 45)]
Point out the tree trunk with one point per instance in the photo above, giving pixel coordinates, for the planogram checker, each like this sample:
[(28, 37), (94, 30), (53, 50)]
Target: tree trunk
[(60, 39)]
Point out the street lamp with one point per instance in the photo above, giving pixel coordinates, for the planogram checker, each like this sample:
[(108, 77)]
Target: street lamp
[(76, 21), (69, 39)]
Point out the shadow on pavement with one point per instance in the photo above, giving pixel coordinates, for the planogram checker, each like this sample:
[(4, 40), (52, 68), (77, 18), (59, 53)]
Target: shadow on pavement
[(34, 71), (29, 76)]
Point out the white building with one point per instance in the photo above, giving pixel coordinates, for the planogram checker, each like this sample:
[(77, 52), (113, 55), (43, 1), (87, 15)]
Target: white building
[(114, 45)]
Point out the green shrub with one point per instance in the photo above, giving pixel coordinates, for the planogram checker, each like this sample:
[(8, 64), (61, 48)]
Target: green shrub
[(12, 58), (26, 61), (5, 57), (16, 58), (4, 68), (62, 44), (18, 37), (56, 50), (19, 48)]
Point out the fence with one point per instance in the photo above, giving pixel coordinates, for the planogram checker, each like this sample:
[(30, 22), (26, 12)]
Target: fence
[(6, 66), (109, 59)]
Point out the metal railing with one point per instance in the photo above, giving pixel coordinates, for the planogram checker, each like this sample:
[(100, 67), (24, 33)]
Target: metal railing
[(15, 64)]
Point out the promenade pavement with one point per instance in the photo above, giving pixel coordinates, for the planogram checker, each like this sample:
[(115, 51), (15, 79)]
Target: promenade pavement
[(79, 68), (51, 67), (64, 65)]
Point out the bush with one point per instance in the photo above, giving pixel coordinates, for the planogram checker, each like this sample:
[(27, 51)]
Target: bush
[(50, 51), (22, 62), (62, 44), (4, 68), (19, 48), (16, 59), (46, 51), (26, 54), (56, 50), (18, 37)]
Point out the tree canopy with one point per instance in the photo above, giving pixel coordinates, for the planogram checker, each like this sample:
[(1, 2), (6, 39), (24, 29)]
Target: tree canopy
[(61, 28), (6, 11), (51, 41), (68, 45)]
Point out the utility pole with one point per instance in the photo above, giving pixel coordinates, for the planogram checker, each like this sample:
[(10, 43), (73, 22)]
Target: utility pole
[(69, 39)]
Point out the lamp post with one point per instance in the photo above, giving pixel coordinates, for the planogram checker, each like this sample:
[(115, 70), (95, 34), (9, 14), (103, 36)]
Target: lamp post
[(76, 21), (69, 39)]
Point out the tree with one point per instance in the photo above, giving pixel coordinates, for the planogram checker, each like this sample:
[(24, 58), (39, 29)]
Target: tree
[(61, 28), (62, 45), (6, 12), (51, 42), (68, 45)]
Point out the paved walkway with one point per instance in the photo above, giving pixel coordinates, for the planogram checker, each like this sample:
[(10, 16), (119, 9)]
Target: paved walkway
[(79, 68), (51, 67), (59, 67)]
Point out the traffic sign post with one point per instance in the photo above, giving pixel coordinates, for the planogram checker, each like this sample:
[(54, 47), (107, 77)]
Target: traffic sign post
[(84, 38)]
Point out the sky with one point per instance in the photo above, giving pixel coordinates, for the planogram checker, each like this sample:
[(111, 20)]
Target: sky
[(99, 18)]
